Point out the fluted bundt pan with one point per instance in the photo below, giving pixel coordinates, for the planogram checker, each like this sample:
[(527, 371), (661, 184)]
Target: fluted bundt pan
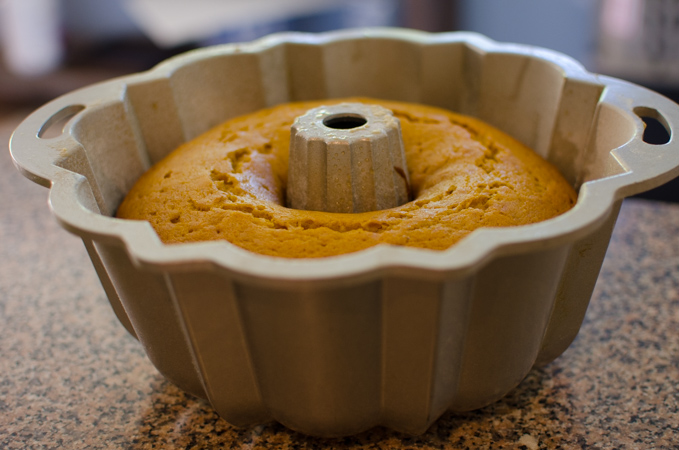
[(389, 336)]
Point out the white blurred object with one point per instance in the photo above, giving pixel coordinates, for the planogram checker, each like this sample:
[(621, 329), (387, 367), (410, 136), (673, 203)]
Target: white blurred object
[(174, 22), (31, 36), (640, 40)]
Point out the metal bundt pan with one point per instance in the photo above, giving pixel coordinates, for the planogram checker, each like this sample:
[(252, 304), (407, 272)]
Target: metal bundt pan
[(389, 336)]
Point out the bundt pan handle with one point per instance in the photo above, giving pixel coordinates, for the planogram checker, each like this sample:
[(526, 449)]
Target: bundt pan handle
[(42, 143), (647, 165)]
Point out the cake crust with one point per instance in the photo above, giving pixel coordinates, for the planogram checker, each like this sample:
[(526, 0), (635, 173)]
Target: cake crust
[(229, 183)]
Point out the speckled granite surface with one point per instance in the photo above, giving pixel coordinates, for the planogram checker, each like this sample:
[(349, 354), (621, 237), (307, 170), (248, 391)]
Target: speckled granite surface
[(71, 377)]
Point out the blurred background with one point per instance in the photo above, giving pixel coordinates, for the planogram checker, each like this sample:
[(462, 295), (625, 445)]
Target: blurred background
[(50, 47)]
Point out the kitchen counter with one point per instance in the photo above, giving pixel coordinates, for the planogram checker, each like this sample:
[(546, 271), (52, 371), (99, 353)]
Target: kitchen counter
[(71, 377)]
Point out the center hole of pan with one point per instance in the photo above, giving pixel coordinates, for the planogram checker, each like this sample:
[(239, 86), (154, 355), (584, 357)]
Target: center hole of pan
[(344, 121)]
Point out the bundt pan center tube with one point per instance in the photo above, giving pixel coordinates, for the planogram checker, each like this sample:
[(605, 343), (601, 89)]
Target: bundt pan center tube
[(390, 336), (347, 158)]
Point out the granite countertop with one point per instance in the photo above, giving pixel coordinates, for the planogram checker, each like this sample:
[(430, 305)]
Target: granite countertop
[(72, 377)]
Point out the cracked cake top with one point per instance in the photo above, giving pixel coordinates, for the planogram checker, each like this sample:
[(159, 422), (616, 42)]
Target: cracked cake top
[(229, 183)]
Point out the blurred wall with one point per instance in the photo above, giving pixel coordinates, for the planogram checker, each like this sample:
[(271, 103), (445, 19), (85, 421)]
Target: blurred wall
[(568, 26)]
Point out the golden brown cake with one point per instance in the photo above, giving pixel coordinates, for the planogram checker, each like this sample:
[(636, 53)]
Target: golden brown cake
[(229, 183)]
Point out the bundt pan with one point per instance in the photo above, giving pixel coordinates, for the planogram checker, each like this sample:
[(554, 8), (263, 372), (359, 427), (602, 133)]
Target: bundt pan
[(390, 336)]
